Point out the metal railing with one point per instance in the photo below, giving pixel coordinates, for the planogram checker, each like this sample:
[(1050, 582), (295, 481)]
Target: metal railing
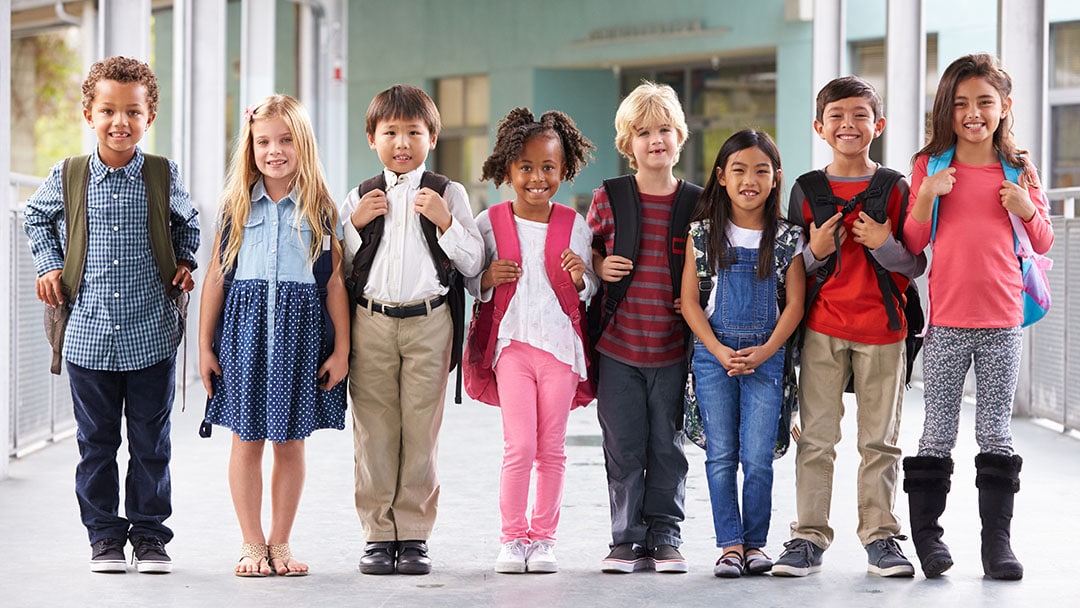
[(41, 409), (1053, 385)]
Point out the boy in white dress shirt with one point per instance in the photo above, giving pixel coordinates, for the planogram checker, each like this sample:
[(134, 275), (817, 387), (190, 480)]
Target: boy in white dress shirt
[(407, 233)]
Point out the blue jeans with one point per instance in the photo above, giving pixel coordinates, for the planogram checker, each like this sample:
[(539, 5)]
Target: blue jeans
[(101, 398), (740, 413), (639, 410)]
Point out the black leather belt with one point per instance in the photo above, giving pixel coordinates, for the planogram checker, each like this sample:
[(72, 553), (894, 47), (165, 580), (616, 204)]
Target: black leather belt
[(402, 312)]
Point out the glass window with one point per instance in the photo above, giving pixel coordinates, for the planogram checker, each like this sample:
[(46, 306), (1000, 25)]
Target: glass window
[(1065, 55), (465, 111), (1064, 151)]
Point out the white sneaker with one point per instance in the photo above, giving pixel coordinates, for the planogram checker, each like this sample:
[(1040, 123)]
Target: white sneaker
[(541, 557), (512, 557)]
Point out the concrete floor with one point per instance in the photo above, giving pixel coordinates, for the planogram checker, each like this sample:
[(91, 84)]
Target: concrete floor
[(45, 552)]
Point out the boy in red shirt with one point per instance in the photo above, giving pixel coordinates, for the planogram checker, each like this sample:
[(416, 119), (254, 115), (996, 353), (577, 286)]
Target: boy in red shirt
[(848, 336)]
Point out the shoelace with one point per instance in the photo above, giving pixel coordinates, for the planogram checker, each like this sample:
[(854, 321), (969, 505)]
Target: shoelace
[(107, 545), (799, 546), (891, 546)]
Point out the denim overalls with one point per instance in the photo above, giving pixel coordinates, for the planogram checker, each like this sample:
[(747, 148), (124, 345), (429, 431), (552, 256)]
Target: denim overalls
[(740, 413)]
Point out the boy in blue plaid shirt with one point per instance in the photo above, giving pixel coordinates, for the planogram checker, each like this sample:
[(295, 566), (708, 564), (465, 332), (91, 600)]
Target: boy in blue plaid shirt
[(124, 330)]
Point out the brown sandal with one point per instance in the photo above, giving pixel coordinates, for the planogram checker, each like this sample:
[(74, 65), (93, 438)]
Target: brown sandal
[(281, 553), (257, 554)]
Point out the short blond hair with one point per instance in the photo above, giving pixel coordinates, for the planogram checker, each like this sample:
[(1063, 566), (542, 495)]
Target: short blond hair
[(648, 104)]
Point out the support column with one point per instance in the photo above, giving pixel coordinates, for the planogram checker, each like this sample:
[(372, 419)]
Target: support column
[(1023, 46), (905, 83), (827, 61), (257, 50), (124, 29), (7, 254), (322, 47), (200, 140)]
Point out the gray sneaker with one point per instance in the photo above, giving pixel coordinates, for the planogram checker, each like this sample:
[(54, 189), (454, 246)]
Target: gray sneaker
[(107, 555), (149, 555), (800, 557), (886, 558), (667, 558), (625, 558)]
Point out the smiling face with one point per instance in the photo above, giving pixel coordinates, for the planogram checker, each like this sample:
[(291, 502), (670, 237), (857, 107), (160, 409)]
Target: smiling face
[(275, 153), (402, 143), (977, 111), (536, 174), (749, 178), (848, 125), (655, 146), (119, 115)]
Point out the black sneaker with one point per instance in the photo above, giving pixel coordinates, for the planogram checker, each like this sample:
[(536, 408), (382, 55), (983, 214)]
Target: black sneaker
[(149, 555), (667, 558), (625, 558), (886, 558), (800, 557), (107, 555)]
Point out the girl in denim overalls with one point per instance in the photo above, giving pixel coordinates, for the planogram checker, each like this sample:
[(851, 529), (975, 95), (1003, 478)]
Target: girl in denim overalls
[(738, 357)]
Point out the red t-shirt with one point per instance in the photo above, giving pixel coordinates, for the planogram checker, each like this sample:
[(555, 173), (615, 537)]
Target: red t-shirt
[(645, 331), (850, 305)]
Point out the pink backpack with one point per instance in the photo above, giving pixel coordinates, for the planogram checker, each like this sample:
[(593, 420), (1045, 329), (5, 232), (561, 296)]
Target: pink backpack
[(484, 329)]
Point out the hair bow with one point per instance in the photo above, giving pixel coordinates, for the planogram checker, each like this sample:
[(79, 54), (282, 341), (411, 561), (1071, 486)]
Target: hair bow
[(250, 111)]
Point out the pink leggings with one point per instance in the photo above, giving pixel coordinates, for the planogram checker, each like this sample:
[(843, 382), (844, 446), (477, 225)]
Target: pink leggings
[(535, 391)]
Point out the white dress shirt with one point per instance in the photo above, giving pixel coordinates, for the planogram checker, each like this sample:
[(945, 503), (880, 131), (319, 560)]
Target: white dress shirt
[(403, 269)]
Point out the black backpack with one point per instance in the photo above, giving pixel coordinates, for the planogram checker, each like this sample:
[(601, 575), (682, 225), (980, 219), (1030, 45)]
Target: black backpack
[(449, 276), (875, 200), (625, 202)]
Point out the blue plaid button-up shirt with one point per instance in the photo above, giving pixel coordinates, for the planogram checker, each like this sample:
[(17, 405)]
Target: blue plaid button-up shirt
[(121, 319)]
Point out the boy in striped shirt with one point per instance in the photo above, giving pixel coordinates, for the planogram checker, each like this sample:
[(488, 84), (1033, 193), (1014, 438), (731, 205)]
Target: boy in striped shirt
[(642, 347)]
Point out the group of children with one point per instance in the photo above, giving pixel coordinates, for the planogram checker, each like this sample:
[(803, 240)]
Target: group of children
[(301, 295)]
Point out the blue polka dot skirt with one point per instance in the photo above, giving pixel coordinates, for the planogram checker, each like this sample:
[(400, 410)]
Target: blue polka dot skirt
[(268, 388)]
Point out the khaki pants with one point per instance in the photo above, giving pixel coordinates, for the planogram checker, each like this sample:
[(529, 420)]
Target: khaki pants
[(879, 391), (397, 381)]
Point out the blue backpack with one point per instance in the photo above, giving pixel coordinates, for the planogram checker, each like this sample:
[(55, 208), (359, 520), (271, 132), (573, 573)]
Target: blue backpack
[(1033, 266)]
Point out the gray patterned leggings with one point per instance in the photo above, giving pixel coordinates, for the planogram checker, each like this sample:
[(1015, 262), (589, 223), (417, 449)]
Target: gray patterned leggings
[(947, 355)]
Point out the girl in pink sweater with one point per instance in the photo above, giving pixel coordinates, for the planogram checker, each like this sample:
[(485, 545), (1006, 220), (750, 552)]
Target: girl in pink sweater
[(975, 303)]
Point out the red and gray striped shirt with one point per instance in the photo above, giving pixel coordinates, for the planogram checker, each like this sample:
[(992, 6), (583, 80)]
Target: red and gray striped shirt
[(645, 331)]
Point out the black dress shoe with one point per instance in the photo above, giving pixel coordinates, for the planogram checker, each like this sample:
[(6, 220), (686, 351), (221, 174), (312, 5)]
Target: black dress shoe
[(378, 558), (413, 557)]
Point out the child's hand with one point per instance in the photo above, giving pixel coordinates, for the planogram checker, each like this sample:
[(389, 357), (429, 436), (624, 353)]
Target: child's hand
[(940, 183), (750, 358), (183, 279), (208, 364), (333, 370), (678, 306), (429, 204), (869, 233), (822, 240), (572, 263), (726, 356), (499, 272), (615, 267), (371, 205), (48, 288), (1016, 200)]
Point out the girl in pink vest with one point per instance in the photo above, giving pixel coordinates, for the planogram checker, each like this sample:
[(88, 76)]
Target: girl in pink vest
[(527, 330)]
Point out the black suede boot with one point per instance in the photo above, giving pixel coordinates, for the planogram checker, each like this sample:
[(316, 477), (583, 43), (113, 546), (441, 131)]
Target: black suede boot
[(927, 482), (998, 480)]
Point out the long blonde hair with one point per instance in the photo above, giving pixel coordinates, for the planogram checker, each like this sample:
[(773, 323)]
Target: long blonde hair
[(315, 203)]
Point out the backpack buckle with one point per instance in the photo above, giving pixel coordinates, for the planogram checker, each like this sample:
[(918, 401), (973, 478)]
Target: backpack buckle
[(705, 284)]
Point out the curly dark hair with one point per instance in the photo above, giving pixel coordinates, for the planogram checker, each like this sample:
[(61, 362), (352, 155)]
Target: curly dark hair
[(519, 126), (120, 69)]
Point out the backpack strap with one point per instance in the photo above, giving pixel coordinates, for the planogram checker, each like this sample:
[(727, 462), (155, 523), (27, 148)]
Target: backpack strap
[(935, 164), (158, 181), (625, 205), (560, 229), (75, 178), (699, 235), (686, 200)]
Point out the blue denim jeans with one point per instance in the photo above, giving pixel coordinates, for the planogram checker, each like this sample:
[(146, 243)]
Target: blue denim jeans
[(101, 399), (740, 413)]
